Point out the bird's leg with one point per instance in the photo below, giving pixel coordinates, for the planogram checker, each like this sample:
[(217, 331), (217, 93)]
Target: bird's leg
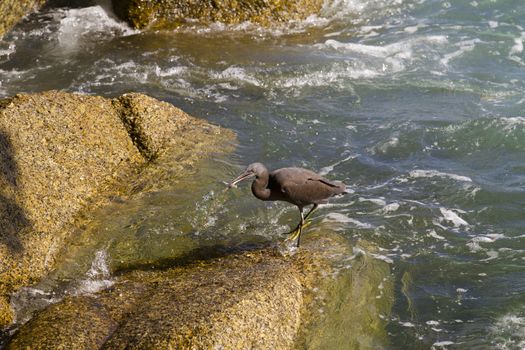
[(297, 230), (303, 223), (296, 234), (298, 225), (311, 211), (300, 231)]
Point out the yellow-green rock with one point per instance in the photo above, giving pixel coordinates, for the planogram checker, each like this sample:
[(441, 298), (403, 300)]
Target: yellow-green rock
[(256, 299), (173, 13), (12, 11), (63, 154)]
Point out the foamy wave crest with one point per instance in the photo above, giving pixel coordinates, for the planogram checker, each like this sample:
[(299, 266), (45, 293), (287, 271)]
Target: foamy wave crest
[(386, 59), (338, 75), (110, 73), (361, 10), (434, 173), (357, 11), (517, 49), (509, 332), (6, 49), (452, 217), (344, 219), (236, 74), (87, 24)]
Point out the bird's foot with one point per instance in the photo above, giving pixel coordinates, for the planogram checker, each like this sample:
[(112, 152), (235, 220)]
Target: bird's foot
[(293, 235), (295, 230)]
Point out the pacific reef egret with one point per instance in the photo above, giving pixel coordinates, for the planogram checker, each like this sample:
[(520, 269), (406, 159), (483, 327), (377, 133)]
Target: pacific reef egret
[(298, 186)]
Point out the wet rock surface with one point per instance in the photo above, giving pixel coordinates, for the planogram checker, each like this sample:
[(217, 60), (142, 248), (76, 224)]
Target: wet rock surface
[(249, 298), (12, 11), (63, 154), (171, 13)]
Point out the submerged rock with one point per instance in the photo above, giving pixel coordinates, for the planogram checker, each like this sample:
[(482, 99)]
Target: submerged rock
[(251, 299), (171, 13), (62, 154), (12, 11)]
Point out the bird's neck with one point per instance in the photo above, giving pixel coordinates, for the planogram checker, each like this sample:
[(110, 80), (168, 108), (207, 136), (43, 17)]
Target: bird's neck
[(260, 187)]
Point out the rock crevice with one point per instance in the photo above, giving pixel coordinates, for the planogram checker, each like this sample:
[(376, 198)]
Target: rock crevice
[(62, 153)]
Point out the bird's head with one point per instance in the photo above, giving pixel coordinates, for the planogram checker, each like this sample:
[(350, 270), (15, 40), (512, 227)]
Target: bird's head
[(253, 170)]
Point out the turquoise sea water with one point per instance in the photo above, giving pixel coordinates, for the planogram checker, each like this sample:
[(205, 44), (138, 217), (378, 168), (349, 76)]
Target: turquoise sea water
[(418, 105)]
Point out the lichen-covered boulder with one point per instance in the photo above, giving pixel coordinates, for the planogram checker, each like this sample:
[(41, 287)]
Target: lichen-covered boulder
[(12, 11), (63, 153), (253, 299), (172, 13)]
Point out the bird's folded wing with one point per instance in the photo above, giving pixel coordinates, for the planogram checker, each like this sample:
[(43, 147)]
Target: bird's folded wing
[(325, 181)]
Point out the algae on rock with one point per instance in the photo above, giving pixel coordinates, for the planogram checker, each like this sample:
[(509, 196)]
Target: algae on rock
[(256, 299), (12, 11), (62, 154), (173, 13)]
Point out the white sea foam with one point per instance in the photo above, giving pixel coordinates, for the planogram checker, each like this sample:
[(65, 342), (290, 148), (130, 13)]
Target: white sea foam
[(512, 123), (433, 234), (7, 49), (386, 59), (442, 344), (493, 24), (84, 23), (419, 173), (488, 238), (491, 255), (463, 47), (337, 76), (237, 74), (517, 48), (98, 276), (474, 247), (508, 332), (411, 29), (385, 146), (381, 257), (451, 216), (329, 168), (342, 218), (361, 10), (377, 201), (391, 207), (109, 72)]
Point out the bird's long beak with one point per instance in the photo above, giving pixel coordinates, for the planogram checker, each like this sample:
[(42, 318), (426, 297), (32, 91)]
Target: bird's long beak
[(243, 176)]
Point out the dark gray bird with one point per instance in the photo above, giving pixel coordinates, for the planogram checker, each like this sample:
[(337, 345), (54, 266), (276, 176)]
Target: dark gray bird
[(298, 186)]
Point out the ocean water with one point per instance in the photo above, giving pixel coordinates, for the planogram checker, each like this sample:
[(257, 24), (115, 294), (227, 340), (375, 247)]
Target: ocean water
[(417, 105)]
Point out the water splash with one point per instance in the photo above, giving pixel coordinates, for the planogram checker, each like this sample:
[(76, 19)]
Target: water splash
[(97, 277), (87, 24)]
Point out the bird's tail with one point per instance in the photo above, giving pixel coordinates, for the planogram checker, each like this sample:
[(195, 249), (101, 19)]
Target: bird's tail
[(342, 188)]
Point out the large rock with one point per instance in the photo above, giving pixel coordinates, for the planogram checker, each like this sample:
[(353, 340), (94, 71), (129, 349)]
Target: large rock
[(63, 153), (173, 13), (253, 299), (12, 11)]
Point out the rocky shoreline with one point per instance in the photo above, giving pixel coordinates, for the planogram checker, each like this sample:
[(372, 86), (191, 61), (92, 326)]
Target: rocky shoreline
[(252, 298), (165, 14), (168, 14), (12, 11), (63, 154)]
